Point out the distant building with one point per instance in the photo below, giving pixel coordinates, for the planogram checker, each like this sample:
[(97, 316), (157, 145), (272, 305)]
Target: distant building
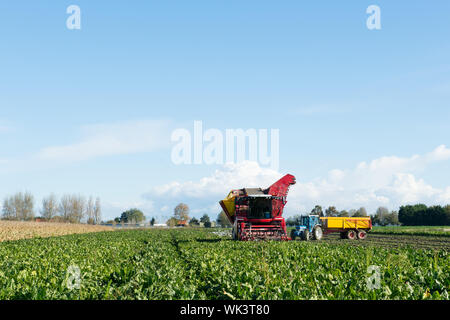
[(160, 225), (182, 223)]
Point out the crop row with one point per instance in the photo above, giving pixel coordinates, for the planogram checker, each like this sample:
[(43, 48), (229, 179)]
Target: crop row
[(299, 270), (198, 264), (395, 241)]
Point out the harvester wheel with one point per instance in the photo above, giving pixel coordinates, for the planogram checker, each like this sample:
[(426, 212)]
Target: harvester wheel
[(318, 233), (306, 235), (293, 234), (362, 234), (233, 234), (351, 234)]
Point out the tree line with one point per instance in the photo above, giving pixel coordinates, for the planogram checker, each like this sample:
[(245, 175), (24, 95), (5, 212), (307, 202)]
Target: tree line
[(181, 218), (409, 215), (132, 216), (69, 208), (421, 215)]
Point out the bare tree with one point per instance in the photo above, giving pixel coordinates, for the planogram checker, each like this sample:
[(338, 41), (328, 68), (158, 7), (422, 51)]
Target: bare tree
[(17, 202), (181, 212), (90, 211), (361, 212), (64, 207), (381, 216), (19, 206), (49, 207), (77, 208), (71, 208), (28, 206), (8, 209), (97, 211)]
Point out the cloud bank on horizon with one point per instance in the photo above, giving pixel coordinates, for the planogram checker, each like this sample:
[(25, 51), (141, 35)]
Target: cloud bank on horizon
[(387, 181)]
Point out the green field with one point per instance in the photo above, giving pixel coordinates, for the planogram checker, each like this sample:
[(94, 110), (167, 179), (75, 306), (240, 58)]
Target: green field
[(414, 230), (206, 264)]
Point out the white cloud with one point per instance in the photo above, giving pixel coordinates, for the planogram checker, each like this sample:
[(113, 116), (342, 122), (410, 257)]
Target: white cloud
[(112, 139), (444, 197), (231, 176), (386, 181), (406, 188), (203, 195)]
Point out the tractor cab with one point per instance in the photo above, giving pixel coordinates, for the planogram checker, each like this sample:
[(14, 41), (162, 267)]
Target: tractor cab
[(256, 203), (309, 228), (260, 207)]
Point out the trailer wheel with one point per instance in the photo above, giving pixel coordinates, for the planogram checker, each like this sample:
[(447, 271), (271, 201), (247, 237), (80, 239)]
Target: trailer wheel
[(343, 235), (351, 234), (293, 234), (306, 235), (362, 234), (318, 233)]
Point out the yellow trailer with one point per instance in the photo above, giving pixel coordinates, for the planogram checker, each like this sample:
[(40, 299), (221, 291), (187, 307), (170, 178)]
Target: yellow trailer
[(348, 227)]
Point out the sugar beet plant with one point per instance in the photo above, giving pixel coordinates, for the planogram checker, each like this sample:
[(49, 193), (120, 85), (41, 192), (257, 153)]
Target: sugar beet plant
[(198, 264)]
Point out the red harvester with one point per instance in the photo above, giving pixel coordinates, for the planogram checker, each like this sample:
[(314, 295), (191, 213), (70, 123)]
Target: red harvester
[(256, 213)]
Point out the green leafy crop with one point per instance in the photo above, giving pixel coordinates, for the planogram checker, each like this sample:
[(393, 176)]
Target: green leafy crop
[(200, 264)]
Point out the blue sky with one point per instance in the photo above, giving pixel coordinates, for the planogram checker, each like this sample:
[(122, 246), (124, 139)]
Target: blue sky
[(340, 95)]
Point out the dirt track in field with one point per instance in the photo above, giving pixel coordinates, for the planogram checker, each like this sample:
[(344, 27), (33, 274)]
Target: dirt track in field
[(393, 240)]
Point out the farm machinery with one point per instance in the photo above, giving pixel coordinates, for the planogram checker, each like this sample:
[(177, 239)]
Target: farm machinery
[(256, 214), (314, 227)]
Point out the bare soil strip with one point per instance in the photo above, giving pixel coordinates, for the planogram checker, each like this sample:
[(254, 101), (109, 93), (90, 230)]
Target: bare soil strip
[(387, 240)]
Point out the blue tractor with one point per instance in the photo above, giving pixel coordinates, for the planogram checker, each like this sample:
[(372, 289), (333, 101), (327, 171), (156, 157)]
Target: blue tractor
[(310, 228)]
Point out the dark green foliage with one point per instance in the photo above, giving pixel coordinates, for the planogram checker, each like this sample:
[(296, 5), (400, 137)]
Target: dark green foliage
[(343, 213), (194, 222), (293, 221), (331, 212), (206, 221), (317, 211), (132, 216), (421, 215), (222, 220)]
